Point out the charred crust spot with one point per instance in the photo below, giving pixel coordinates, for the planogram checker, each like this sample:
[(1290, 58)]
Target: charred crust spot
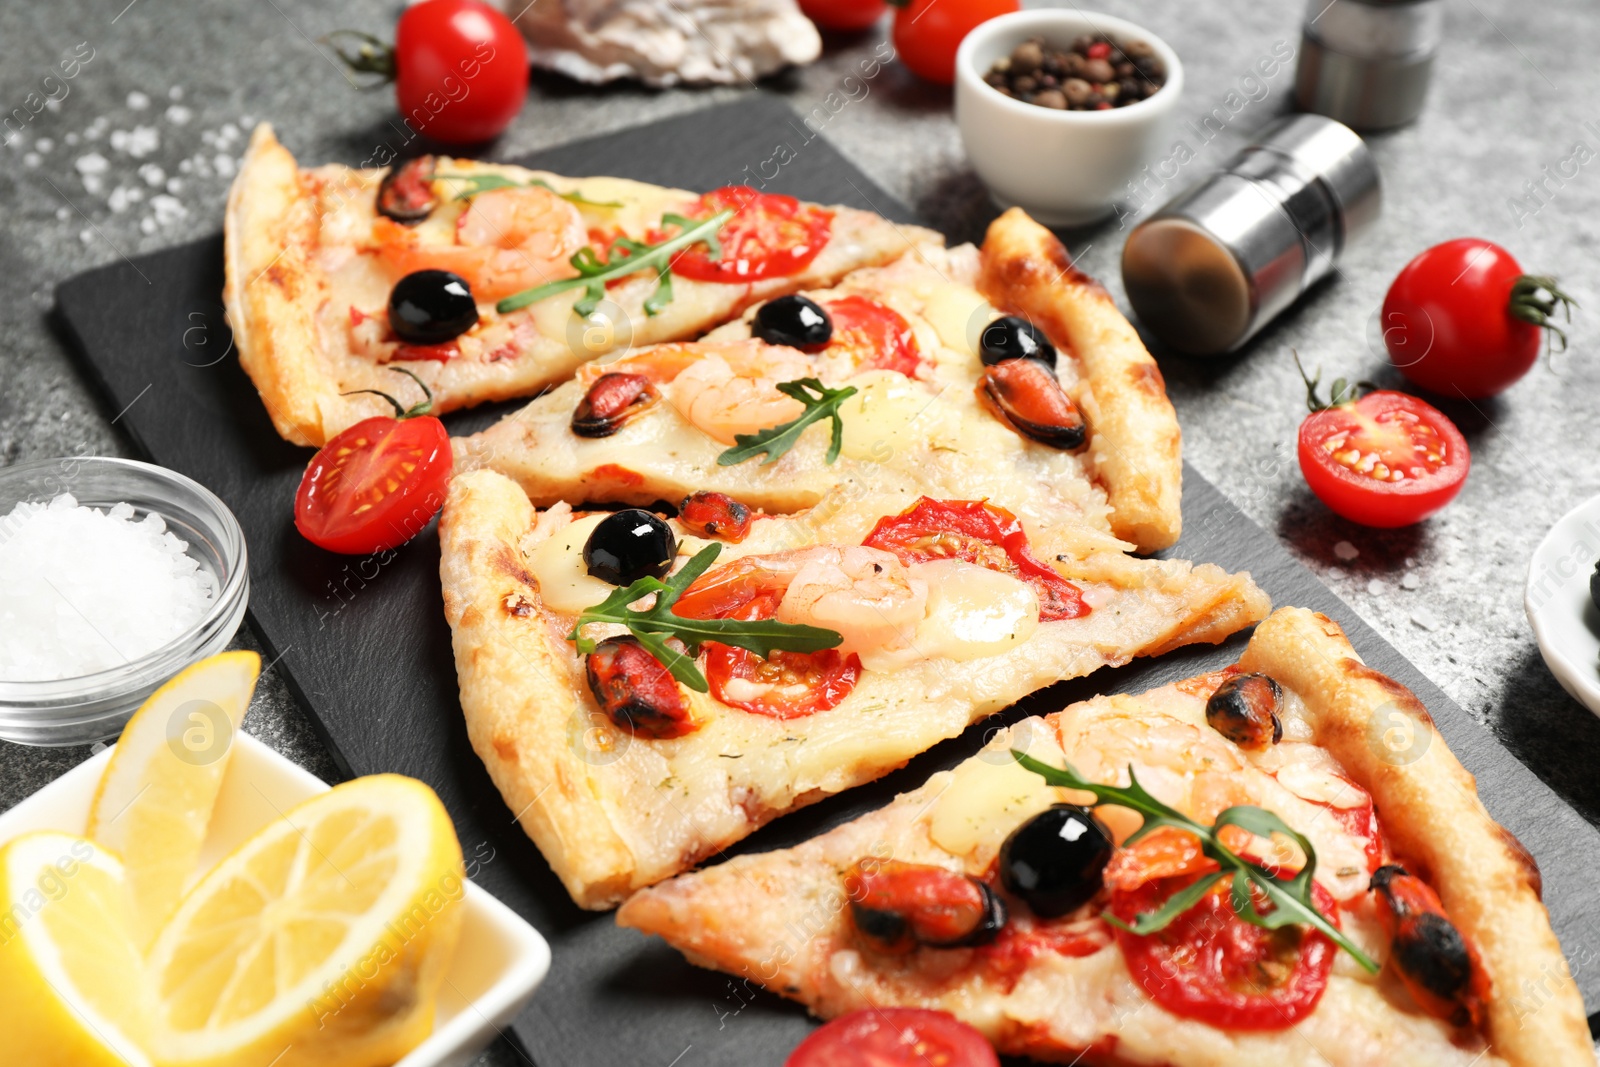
[(1523, 859), (1146, 377), (503, 559), (518, 605)]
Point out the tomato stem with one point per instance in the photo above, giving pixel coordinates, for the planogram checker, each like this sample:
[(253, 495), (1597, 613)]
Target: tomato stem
[(372, 55), (1340, 394), (401, 412), (1534, 299)]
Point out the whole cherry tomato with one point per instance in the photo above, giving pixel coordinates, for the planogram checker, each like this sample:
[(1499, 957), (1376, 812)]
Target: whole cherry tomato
[(843, 14), (894, 1037), (375, 486), (1462, 318), (928, 32), (460, 68), (1387, 459)]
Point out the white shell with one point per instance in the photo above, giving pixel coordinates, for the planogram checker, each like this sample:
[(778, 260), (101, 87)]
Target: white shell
[(668, 42)]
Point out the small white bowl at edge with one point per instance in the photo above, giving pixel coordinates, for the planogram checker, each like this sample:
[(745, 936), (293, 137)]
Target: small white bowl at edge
[(1563, 615)]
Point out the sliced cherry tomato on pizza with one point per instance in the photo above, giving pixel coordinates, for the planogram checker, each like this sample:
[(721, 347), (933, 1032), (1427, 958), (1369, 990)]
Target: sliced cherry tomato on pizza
[(1362, 821), (928, 32), (894, 1037), (1211, 965), (875, 336), (980, 533), (1387, 459), (785, 685), (771, 236), (374, 486)]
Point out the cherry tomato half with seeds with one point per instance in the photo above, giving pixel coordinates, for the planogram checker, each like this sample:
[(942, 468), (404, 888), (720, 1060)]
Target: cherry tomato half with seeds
[(1462, 319), (1385, 460), (770, 236), (894, 1037), (374, 486), (877, 336), (844, 14), (928, 32)]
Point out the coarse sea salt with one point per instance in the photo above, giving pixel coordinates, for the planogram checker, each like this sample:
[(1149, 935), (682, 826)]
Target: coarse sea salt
[(84, 590)]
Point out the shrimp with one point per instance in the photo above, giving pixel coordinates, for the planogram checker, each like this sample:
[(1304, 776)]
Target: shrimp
[(865, 594), (507, 240), (733, 390)]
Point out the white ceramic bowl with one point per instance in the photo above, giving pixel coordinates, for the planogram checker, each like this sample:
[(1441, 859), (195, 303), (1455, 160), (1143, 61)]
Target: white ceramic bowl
[(501, 959), (1065, 168), (1564, 618)]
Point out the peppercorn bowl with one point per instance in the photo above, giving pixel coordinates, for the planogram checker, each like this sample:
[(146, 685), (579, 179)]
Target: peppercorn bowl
[(1064, 167), (94, 706)]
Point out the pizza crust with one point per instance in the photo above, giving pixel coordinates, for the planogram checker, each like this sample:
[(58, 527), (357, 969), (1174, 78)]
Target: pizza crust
[(1136, 444)]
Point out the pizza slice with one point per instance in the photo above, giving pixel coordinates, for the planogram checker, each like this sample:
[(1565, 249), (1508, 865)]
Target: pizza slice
[(491, 281), (783, 658), (1040, 397), (1285, 865)]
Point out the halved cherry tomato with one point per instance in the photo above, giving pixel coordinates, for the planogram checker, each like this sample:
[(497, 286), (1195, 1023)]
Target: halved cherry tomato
[(1385, 460), (772, 236), (980, 533), (877, 337), (374, 486), (928, 32), (843, 14), (785, 685), (1211, 965), (894, 1037), (1463, 319)]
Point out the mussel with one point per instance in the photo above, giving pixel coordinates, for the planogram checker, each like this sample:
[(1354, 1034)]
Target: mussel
[(635, 691), (898, 906), (1436, 963), (1247, 710), (406, 192), (1026, 394), (611, 401)]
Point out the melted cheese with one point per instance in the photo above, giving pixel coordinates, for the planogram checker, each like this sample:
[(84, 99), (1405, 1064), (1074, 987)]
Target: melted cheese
[(880, 414), (565, 584), (973, 611), (959, 315), (992, 794)]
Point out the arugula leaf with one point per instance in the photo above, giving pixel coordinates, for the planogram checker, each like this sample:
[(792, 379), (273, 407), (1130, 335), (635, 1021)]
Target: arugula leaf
[(1290, 897), (821, 403), (655, 624), (484, 183), (626, 256)]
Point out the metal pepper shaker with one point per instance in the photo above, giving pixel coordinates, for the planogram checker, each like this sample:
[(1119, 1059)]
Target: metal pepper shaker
[(1367, 63), (1224, 258)]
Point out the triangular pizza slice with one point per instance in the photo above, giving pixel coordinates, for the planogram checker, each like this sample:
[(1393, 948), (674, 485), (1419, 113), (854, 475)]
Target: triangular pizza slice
[(1131, 932), (334, 275), (1039, 395), (767, 661)]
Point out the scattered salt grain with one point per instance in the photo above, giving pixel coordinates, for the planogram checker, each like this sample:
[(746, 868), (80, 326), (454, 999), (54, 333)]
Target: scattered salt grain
[(152, 174), (223, 164), (168, 209), (31, 159), (1346, 551), (71, 138), (137, 142), (86, 236), (179, 115), (175, 93), (84, 590), (138, 101), (1411, 581), (1424, 619), (1376, 587), (63, 214), (43, 145)]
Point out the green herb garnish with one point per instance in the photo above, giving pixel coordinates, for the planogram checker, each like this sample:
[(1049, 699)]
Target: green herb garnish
[(1290, 897), (483, 183), (653, 625), (821, 403), (626, 256)]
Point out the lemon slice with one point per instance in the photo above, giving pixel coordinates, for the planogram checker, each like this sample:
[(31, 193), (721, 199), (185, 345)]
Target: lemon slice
[(321, 941), (71, 989)]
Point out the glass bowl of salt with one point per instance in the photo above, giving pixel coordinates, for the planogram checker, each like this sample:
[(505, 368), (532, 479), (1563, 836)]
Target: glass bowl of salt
[(114, 576)]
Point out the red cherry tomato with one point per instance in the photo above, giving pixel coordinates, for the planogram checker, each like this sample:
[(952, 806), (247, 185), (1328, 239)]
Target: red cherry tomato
[(1462, 318), (981, 533), (843, 14), (894, 1037), (460, 70), (928, 32), (785, 685), (1209, 964), (1385, 460), (374, 486), (876, 336), (772, 236)]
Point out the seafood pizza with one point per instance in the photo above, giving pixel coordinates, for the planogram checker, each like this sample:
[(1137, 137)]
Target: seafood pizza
[(490, 281), (1236, 869), (999, 373), (647, 691)]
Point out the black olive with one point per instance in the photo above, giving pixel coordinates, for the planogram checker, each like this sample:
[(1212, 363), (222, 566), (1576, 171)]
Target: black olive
[(430, 307), (1054, 861), (630, 545), (1010, 338), (794, 321), (1246, 708)]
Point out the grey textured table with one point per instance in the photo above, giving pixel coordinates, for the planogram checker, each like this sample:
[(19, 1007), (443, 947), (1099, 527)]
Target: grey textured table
[(137, 151)]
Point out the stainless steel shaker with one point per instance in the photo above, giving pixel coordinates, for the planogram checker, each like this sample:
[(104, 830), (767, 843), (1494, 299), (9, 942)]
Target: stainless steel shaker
[(1367, 63)]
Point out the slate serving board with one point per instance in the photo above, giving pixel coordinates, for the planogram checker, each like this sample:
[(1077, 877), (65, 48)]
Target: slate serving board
[(365, 646)]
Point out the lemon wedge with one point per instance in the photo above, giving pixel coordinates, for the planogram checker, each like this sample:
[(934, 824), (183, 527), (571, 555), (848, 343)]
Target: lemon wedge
[(71, 989), (155, 797), (321, 942)]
